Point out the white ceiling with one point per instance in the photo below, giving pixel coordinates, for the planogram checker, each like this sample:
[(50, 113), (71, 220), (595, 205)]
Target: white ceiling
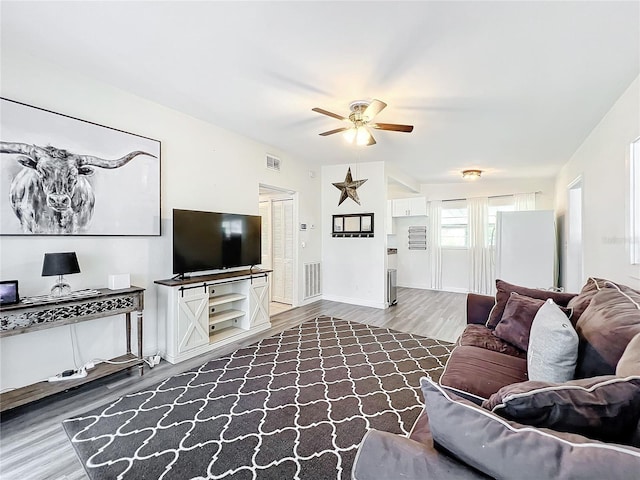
[(512, 88)]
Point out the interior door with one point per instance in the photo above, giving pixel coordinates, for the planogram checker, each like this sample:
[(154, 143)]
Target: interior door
[(282, 250)]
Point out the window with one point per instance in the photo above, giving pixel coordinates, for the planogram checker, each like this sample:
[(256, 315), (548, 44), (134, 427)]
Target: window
[(454, 224), (497, 204), (634, 230)]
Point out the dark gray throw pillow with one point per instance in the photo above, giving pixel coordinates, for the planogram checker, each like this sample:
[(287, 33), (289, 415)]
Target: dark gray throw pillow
[(506, 450), (605, 408), (518, 315), (504, 289)]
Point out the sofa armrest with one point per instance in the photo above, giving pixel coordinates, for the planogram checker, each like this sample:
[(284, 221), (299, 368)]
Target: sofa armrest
[(479, 307), (387, 455)]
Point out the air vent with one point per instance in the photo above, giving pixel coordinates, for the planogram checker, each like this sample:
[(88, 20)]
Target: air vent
[(312, 280), (273, 163)]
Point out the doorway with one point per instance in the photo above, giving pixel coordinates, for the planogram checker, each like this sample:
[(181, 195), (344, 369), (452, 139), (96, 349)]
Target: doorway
[(277, 211), (575, 268)]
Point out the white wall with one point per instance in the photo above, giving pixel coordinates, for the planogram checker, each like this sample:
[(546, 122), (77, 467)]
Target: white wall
[(603, 162), (203, 167), (354, 268)]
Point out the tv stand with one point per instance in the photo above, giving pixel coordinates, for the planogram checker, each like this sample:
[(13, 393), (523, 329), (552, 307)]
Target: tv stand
[(203, 312)]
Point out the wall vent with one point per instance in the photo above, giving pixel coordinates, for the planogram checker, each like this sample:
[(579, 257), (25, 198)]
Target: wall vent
[(273, 163), (312, 280)]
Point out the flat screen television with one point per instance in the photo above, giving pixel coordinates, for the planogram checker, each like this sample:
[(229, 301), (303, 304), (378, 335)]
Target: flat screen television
[(213, 241)]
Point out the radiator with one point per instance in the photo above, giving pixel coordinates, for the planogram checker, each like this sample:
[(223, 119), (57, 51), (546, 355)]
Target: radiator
[(312, 285)]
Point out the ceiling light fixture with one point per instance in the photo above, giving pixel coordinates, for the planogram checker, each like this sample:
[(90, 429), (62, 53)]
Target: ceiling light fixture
[(471, 174), (358, 135)]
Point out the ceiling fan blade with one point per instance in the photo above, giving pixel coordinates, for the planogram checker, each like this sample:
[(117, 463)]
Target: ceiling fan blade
[(331, 114), (331, 132), (374, 108), (372, 141), (392, 126)]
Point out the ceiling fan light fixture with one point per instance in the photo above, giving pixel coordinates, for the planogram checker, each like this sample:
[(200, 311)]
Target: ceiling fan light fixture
[(350, 135), (471, 174), (362, 136), (358, 135)]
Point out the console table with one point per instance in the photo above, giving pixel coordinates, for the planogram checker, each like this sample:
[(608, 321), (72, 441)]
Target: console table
[(46, 313)]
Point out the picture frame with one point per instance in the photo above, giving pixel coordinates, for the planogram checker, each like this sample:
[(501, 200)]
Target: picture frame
[(110, 178), (352, 224), (355, 225), (9, 294)]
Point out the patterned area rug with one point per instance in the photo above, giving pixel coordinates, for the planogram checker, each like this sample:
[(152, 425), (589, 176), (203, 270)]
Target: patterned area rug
[(293, 406)]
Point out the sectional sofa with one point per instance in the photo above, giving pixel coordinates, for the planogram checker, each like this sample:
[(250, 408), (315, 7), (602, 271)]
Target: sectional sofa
[(542, 384)]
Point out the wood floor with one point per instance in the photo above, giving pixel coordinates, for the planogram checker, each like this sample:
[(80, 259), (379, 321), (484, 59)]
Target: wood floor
[(33, 444)]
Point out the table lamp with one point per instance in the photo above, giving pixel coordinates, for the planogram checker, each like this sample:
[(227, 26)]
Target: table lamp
[(60, 264)]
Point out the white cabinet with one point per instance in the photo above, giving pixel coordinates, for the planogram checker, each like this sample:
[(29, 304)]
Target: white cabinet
[(401, 207), (409, 207), (202, 313)]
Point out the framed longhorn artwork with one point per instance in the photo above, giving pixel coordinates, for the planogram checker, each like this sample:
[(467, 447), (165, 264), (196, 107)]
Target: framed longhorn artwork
[(61, 175)]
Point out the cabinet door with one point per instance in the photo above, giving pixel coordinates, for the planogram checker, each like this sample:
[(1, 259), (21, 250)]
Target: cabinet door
[(418, 206), (193, 319), (259, 301), (401, 207)]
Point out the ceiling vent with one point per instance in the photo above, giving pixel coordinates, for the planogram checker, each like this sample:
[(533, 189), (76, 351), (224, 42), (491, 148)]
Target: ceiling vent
[(273, 163)]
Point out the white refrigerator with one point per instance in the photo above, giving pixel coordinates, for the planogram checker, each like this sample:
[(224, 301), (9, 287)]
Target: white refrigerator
[(526, 249)]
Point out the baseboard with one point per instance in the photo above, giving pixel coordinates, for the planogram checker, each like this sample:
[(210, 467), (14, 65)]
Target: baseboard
[(355, 301), (454, 290), (417, 286)]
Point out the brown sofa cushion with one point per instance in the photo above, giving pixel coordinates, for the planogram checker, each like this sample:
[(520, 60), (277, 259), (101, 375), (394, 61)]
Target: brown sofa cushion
[(605, 408), (483, 337), (605, 329), (580, 302), (477, 373), (504, 289), (507, 450), (518, 315), (593, 285)]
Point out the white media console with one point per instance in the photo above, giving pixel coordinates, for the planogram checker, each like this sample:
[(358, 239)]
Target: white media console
[(201, 313)]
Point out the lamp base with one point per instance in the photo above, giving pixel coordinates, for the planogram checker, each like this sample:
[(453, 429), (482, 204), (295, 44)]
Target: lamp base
[(61, 288)]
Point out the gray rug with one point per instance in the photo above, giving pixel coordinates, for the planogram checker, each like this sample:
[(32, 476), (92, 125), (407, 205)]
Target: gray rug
[(293, 406)]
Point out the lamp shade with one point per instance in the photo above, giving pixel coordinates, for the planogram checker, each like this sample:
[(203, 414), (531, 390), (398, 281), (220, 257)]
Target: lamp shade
[(60, 264)]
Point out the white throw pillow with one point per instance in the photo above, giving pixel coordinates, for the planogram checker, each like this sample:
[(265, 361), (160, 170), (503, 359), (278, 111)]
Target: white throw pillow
[(553, 346)]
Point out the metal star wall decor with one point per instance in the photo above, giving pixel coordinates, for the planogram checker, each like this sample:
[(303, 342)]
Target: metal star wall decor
[(348, 188)]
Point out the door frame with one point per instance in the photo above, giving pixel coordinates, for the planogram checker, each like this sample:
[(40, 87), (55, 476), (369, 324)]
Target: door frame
[(577, 183)]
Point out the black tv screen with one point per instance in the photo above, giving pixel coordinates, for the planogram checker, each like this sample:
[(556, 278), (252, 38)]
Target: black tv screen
[(212, 241)]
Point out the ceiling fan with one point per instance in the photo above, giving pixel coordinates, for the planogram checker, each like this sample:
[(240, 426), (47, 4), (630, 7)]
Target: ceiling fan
[(362, 113)]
